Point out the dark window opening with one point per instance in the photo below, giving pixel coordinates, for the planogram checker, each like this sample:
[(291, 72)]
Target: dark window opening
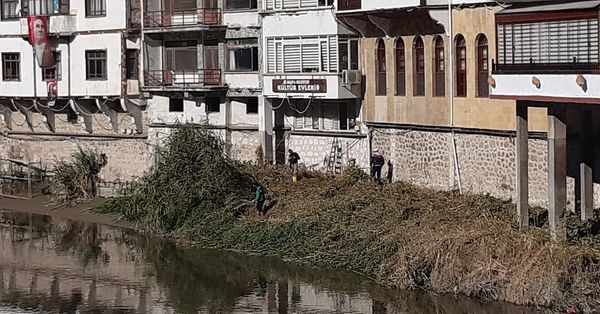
[(131, 66), (72, 116), (439, 68), (44, 7), (483, 89), (240, 4), (213, 104), (55, 72), (11, 66), (461, 67), (96, 64), (242, 55), (175, 104), (95, 8), (400, 68), (10, 9), (349, 4), (252, 105), (381, 68), (419, 67)]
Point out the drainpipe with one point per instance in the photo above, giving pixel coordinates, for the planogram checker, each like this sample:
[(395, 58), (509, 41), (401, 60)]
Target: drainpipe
[(453, 139)]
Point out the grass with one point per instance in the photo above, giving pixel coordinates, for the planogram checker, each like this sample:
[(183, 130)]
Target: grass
[(398, 234)]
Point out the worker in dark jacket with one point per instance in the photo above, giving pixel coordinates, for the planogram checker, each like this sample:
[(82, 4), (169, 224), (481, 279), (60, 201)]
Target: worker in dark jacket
[(377, 162), (293, 159), (390, 171), (260, 196)]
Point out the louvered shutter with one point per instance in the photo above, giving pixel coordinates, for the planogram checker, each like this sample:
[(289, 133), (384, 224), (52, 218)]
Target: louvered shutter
[(333, 54), (291, 55), (271, 56), (310, 56)]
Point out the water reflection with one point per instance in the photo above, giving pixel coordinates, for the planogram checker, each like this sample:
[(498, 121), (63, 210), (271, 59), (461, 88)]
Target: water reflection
[(54, 265)]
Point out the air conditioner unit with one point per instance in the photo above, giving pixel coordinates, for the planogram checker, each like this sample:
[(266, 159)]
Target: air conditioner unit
[(352, 77)]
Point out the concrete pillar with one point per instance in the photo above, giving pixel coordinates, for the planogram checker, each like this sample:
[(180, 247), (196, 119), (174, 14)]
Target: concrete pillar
[(557, 170), (265, 127), (586, 166), (522, 167)]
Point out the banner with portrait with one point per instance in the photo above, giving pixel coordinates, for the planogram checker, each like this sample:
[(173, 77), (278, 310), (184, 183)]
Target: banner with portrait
[(38, 38)]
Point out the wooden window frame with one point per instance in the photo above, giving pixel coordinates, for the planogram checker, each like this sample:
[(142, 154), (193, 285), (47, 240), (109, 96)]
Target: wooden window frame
[(400, 65), (15, 62), (419, 66), (89, 58), (252, 5), (483, 56), (439, 67), (461, 74), (380, 68)]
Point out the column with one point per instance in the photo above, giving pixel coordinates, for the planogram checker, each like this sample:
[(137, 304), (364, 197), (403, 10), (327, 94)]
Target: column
[(522, 167), (586, 166), (557, 170)]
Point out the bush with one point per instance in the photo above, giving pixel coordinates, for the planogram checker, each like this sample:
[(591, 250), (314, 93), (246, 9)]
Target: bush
[(76, 178)]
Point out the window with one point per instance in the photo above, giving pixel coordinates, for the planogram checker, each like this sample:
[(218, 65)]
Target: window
[(349, 5), (213, 104), (306, 54), (483, 89), (44, 7), (419, 67), (53, 73), (11, 66), (381, 68), (240, 4), (10, 9), (242, 54), (95, 8), (175, 104), (296, 4), (181, 56), (439, 68), (252, 105), (461, 67), (131, 66), (400, 68), (95, 64), (348, 51)]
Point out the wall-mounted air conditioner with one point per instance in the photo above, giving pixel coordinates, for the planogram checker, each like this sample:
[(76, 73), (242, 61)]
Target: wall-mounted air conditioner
[(352, 77)]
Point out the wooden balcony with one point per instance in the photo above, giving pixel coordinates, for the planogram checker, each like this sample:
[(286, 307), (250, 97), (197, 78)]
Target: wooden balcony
[(182, 18)]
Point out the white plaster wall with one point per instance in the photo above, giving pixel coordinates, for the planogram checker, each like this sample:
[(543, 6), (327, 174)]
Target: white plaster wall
[(239, 117), (335, 89), (110, 42), (551, 86), (307, 23), (115, 16), (193, 112), (25, 86), (242, 80), (240, 19), (12, 27)]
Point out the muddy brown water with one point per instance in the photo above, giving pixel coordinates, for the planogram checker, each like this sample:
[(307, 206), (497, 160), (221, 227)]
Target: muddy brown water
[(51, 265)]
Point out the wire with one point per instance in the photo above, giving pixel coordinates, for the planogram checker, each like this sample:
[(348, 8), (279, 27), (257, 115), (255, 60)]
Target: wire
[(280, 104), (301, 111)]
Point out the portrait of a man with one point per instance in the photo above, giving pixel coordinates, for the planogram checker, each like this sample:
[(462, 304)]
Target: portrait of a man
[(38, 37)]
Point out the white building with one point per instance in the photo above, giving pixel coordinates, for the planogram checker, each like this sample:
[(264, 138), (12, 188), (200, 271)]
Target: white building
[(311, 83)]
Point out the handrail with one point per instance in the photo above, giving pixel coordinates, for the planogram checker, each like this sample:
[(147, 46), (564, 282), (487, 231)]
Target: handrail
[(182, 17), (200, 77)]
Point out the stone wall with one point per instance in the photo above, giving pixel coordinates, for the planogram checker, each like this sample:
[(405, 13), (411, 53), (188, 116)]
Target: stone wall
[(244, 145), (314, 149), (486, 162)]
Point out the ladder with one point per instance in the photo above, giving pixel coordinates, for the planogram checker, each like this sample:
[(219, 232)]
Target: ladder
[(334, 163)]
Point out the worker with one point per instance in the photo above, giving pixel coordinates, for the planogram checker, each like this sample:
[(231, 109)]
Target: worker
[(260, 200), (377, 162), (293, 158)]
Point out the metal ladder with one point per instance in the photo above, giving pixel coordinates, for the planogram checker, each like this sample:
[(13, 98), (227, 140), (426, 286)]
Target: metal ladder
[(334, 163)]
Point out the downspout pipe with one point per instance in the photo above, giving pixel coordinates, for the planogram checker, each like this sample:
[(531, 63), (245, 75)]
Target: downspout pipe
[(452, 92)]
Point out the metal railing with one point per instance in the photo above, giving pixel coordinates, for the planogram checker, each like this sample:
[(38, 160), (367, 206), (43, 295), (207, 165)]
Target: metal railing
[(546, 68), (200, 77), (174, 18)]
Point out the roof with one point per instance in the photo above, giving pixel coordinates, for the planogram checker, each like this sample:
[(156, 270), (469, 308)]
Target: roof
[(575, 5)]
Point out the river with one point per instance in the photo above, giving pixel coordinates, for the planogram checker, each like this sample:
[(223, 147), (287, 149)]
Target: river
[(50, 265)]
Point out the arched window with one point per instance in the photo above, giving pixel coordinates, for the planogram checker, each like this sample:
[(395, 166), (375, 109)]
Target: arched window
[(400, 68), (461, 67), (381, 68), (483, 89), (419, 67), (439, 67)]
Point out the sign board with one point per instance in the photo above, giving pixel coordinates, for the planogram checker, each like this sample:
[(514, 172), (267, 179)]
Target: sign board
[(300, 86)]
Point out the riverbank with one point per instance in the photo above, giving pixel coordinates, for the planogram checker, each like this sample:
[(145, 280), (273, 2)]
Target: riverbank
[(82, 211), (397, 234)]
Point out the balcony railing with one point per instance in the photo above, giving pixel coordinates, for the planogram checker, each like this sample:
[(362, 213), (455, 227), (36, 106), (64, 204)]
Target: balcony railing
[(349, 5), (174, 18), (189, 78), (546, 68)]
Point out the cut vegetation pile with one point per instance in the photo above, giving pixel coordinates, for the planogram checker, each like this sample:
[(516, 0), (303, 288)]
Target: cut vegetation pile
[(397, 234)]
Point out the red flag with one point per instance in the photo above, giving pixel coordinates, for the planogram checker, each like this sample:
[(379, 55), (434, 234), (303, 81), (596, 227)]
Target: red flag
[(38, 38)]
